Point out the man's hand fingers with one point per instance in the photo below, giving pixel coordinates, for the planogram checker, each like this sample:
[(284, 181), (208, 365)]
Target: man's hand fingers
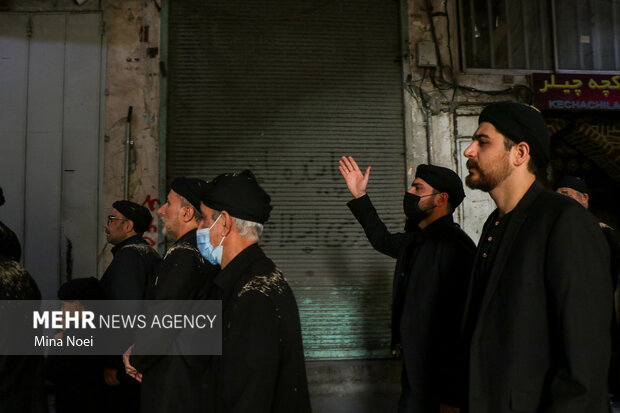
[(353, 164), (347, 163)]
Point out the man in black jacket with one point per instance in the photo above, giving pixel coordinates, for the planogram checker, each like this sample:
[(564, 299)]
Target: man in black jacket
[(261, 368), (434, 259), (171, 383), (577, 189), (132, 269), (540, 302)]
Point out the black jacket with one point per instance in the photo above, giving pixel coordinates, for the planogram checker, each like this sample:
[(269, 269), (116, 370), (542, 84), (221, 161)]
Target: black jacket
[(128, 277), (131, 270), (10, 247), (22, 378), (433, 286), (172, 383), (261, 369), (541, 339)]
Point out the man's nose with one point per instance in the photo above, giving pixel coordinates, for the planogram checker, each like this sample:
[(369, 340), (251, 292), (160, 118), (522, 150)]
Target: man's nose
[(469, 151)]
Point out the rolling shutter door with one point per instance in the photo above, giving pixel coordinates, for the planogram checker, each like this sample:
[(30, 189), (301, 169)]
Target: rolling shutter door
[(285, 89)]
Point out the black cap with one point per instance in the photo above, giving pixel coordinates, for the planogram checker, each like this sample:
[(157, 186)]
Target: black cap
[(521, 123), (140, 215), (573, 182), (190, 189), (80, 289), (240, 195), (443, 180)]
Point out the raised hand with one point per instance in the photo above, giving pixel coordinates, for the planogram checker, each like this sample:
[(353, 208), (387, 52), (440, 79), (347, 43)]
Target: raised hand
[(356, 181)]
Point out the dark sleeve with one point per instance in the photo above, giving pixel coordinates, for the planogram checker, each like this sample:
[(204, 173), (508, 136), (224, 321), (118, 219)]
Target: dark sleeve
[(126, 276), (250, 359), (580, 306), (9, 244), (455, 265), (180, 276), (614, 253), (376, 231)]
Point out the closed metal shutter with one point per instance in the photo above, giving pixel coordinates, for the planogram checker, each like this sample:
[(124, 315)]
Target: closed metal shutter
[(285, 88)]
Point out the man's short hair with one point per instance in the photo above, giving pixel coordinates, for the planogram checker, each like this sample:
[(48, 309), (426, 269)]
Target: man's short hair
[(531, 164), (247, 229), (186, 203)]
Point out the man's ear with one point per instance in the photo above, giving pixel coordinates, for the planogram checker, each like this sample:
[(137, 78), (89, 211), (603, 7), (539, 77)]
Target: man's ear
[(442, 199), (520, 153), (228, 222), (128, 226), (187, 213)]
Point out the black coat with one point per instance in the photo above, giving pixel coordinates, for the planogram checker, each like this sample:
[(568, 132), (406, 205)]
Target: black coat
[(10, 247), (131, 270), (172, 383), (129, 275), (541, 340), (22, 378), (434, 298), (261, 369)]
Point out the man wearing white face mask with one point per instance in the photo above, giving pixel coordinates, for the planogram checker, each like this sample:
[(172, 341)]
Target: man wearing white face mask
[(261, 368)]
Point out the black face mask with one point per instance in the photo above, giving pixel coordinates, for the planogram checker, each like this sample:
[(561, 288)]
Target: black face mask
[(412, 208)]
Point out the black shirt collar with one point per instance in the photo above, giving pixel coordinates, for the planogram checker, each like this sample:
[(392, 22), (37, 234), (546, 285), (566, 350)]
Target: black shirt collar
[(230, 275), (135, 239), (188, 238), (438, 224)]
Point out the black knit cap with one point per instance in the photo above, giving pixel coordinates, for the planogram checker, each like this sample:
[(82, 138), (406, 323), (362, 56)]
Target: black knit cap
[(573, 182), (140, 215), (443, 180), (190, 189), (521, 123), (80, 289), (240, 195)]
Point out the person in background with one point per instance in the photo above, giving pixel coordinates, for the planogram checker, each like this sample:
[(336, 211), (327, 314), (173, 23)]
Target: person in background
[(434, 258), (172, 383), (128, 276), (77, 379), (578, 190)]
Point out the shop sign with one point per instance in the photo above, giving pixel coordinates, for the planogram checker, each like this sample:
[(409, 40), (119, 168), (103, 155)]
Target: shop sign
[(576, 91)]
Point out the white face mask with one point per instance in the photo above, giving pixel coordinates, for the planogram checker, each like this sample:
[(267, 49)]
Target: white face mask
[(207, 250)]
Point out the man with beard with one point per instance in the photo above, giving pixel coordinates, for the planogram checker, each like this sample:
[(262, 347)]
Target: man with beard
[(132, 269), (434, 260), (539, 306), (171, 383)]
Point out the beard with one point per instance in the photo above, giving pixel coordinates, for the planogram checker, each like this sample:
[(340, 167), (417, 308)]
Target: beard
[(490, 178)]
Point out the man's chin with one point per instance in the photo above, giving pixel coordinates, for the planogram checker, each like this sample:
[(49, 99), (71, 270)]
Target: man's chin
[(475, 183)]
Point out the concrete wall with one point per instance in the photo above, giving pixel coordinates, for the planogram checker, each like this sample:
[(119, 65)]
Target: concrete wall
[(132, 79), (443, 122), (132, 44)]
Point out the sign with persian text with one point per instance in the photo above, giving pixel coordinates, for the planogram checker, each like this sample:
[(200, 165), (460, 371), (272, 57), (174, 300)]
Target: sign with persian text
[(576, 91)]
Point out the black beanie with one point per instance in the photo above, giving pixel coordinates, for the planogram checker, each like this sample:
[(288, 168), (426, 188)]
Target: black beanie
[(443, 180), (240, 195), (521, 123)]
